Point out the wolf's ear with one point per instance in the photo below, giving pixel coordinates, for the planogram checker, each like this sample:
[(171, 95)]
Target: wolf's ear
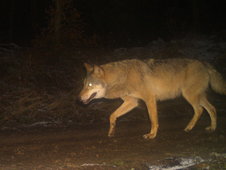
[(98, 71), (88, 67)]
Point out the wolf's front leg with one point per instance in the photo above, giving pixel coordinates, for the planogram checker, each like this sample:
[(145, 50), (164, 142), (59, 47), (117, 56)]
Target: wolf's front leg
[(153, 116), (128, 104)]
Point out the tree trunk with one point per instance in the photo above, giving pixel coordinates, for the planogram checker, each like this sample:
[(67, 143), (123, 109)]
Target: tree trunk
[(196, 15), (11, 20), (57, 20)]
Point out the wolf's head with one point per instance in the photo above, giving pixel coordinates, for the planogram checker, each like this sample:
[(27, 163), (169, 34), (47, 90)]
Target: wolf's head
[(94, 86)]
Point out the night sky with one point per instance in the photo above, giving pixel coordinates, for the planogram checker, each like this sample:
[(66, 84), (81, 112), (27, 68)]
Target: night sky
[(22, 20)]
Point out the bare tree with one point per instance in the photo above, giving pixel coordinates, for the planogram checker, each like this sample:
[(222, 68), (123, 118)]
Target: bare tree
[(11, 19), (196, 15), (57, 19)]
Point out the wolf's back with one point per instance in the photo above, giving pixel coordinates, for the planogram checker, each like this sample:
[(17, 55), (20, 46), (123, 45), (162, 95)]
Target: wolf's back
[(218, 84)]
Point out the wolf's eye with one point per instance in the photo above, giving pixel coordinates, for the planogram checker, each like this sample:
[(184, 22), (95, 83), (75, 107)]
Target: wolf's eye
[(90, 84)]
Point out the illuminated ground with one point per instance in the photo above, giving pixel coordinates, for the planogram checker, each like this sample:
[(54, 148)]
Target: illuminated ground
[(88, 147)]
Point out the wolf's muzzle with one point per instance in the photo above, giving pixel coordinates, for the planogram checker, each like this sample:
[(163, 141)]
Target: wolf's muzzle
[(89, 99)]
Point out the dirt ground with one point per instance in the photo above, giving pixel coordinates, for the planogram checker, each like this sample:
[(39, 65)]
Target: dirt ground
[(88, 147)]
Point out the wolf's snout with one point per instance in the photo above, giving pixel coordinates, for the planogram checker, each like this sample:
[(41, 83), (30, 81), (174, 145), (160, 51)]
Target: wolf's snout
[(86, 99), (79, 100)]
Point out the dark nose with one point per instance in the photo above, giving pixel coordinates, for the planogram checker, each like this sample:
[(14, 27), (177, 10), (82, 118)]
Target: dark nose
[(78, 99)]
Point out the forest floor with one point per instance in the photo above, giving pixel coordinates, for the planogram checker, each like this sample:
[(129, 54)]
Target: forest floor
[(88, 147)]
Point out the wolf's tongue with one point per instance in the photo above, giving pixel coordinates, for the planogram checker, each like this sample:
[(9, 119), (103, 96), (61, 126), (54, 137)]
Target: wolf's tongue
[(91, 97)]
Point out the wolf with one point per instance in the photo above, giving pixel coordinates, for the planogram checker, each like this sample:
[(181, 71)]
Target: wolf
[(153, 80)]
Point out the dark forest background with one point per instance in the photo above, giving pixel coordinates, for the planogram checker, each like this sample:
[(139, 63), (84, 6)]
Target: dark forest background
[(123, 21)]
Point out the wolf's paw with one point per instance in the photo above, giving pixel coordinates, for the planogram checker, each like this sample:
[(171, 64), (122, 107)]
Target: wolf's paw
[(111, 134), (187, 129), (149, 136), (210, 129)]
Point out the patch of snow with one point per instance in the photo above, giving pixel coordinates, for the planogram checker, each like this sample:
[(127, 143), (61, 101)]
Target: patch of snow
[(42, 124), (206, 49), (222, 155), (96, 165), (178, 163), (92, 164)]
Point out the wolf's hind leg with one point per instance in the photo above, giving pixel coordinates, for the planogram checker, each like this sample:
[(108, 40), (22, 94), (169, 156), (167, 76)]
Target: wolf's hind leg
[(128, 104), (194, 100), (197, 113), (212, 113)]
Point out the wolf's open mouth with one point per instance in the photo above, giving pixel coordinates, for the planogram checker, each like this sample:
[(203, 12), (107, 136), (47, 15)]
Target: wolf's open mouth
[(90, 98)]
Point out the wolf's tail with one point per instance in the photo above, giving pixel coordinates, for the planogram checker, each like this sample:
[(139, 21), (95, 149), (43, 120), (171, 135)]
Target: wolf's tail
[(218, 84)]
